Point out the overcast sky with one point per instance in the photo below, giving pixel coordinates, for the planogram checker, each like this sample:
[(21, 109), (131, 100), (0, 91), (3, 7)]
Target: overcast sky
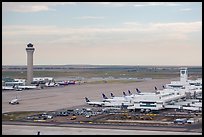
[(103, 33)]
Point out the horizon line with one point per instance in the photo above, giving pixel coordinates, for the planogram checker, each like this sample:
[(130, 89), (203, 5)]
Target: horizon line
[(105, 65)]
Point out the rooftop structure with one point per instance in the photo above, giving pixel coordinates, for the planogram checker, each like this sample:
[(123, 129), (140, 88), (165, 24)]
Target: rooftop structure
[(184, 82)]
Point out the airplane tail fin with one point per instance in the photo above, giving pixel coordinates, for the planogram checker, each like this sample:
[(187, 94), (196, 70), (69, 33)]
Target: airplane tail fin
[(124, 93), (112, 95), (104, 96), (87, 100), (138, 91), (129, 92)]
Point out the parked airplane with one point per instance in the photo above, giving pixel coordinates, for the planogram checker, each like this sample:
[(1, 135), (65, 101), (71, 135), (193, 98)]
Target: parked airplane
[(130, 93), (66, 83), (103, 103), (156, 90), (124, 94), (131, 96), (104, 96), (112, 104), (7, 88), (113, 99), (117, 101), (198, 104), (112, 95), (94, 103), (138, 91), (192, 108), (26, 87), (51, 84), (14, 101)]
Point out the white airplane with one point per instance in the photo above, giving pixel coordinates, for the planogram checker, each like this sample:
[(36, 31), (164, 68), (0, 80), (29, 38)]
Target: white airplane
[(117, 101), (196, 105), (27, 87), (192, 108), (71, 82), (112, 104), (51, 84), (14, 101), (7, 88), (106, 103), (114, 99), (132, 95), (138, 91), (94, 103), (125, 97)]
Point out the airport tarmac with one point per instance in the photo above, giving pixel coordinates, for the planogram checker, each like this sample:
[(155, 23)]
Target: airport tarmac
[(54, 98), (47, 130)]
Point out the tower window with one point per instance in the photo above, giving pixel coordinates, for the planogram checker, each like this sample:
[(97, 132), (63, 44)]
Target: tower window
[(182, 72)]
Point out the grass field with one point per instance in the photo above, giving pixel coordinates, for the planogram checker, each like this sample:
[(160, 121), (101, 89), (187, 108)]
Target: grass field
[(90, 74), (101, 74), (17, 115)]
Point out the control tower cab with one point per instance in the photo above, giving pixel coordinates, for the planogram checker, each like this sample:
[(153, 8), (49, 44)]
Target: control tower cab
[(184, 75)]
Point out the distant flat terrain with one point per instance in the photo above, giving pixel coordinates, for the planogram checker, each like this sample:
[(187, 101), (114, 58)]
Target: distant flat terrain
[(104, 71)]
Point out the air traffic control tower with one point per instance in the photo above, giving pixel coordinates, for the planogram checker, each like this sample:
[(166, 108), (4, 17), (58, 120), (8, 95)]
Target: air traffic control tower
[(29, 51)]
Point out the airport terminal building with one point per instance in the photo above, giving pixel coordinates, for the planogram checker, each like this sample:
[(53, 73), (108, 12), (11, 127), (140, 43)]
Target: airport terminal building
[(172, 96)]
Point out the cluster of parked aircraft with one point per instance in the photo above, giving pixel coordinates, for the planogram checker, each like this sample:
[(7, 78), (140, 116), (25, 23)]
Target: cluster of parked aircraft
[(113, 101), (64, 83), (19, 87), (36, 86), (147, 100), (125, 99), (173, 95)]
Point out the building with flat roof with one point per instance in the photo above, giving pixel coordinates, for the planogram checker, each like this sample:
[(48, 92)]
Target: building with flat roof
[(174, 92)]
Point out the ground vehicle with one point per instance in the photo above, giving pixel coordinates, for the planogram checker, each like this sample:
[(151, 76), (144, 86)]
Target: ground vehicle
[(14, 101), (190, 121), (73, 118), (180, 121)]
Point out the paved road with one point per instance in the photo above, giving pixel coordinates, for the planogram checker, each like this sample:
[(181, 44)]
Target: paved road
[(184, 129), (66, 129)]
